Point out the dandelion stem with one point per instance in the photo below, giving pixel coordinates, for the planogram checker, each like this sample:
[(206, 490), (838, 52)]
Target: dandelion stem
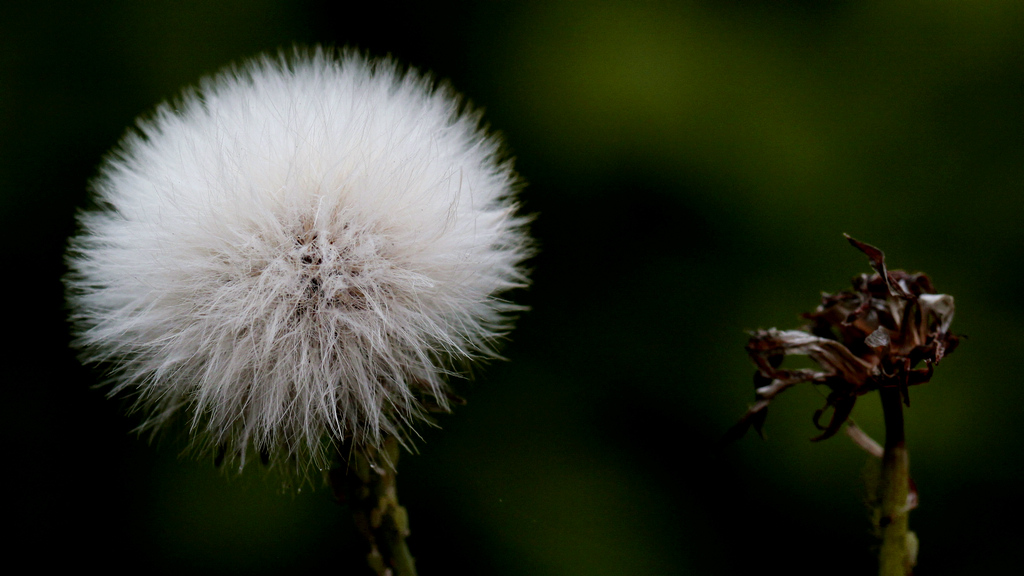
[(896, 557), (367, 482)]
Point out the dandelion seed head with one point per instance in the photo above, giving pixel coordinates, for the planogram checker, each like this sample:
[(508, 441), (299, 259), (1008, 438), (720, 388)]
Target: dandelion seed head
[(297, 253)]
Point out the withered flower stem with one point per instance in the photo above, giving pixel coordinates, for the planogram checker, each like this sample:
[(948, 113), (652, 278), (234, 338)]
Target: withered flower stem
[(896, 557), (885, 335)]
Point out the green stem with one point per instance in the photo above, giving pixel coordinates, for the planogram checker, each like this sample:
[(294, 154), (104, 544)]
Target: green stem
[(895, 558), (367, 482)]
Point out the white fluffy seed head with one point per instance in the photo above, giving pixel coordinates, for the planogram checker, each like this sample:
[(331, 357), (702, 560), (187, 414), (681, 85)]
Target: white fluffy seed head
[(297, 254)]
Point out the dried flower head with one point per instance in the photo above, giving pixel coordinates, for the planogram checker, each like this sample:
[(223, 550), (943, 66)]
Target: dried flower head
[(297, 254), (865, 339)]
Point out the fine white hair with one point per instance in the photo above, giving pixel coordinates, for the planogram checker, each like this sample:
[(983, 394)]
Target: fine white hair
[(297, 254)]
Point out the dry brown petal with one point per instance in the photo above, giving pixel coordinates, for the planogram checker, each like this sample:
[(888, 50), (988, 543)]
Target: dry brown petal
[(864, 339)]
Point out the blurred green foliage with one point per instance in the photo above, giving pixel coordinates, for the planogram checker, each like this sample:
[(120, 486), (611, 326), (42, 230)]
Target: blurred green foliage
[(692, 165)]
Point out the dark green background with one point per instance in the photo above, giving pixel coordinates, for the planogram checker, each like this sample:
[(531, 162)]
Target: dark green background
[(693, 166)]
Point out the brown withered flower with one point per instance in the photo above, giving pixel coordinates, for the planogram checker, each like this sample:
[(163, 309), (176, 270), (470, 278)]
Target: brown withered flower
[(876, 336)]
